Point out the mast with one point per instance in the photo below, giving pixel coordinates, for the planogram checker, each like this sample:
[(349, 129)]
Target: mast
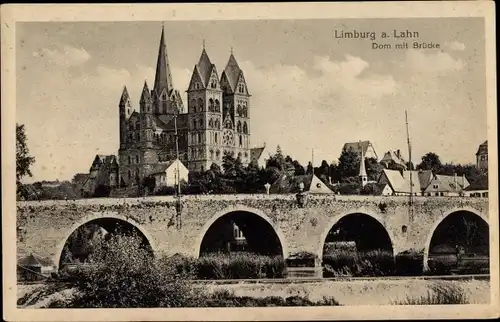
[(179, 205), (410, 167)]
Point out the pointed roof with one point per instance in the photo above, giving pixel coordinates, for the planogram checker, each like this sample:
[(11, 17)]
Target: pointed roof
[(362, 170), (205, 67), (483, 148), (125, 97), (232, 71), (163, 76), (145, 96)]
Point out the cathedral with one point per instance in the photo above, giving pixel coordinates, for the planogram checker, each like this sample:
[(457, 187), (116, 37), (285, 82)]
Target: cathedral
[(216, 121)]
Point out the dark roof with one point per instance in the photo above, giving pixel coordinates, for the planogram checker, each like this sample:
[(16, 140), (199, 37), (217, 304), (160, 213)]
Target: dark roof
[(481, 183), (146, 95), (205, 67), (167, 122), (32, 260), (255, 153), (81, 177), (425, 178), (232, 72), (483, 148), (125, 97), (290, 183), (357, 146)]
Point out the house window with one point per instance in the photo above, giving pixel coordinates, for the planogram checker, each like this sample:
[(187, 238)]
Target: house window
[(435, 186), (129, 174)]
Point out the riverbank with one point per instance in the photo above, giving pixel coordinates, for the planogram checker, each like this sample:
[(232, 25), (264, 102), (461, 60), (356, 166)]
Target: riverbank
[(352, 292)]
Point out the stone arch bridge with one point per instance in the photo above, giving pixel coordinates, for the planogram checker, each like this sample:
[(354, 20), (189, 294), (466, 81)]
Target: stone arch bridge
[(271, 222)]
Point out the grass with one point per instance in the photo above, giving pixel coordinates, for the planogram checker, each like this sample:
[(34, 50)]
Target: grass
[(352, 263), (439, 294), (228, 266)]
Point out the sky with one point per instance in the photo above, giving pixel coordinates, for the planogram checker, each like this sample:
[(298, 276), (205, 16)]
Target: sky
[(310, 90)]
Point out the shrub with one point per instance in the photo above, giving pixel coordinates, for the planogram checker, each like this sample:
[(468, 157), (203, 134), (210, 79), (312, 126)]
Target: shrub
[(440, 293), (239, 266), (410, 263), (353, 263)]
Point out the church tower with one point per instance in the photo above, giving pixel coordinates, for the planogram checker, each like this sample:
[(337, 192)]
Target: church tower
[(148, 156), (125, 109), (204, 116), (236, 103), (163, 94)]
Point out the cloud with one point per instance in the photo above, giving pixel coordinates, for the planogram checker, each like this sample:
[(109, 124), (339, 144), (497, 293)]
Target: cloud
[(455, 45), (422, 62), (64, 57)]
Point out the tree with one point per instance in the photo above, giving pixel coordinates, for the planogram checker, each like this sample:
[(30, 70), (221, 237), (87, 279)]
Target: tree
[(430, 161), (23, 159), (348, 164), (334, 172), (299, 169), (373, 169)]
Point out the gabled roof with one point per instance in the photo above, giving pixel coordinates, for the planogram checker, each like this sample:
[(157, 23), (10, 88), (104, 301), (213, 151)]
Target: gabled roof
[(81, 177), (425, 178), (32, 260), (163, 166), (163, 76), (447, 184), (481, 183), (400, 182), (358, 147), (255, 153), (483, 148), (392, 156), (232, 72)]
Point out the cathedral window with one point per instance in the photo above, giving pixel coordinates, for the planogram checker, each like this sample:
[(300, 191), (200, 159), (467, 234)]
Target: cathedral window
[(131, 137), (217, 154), (241, 141), (238, 127), (239, 154), (245, 128), (211, 123), (215, 138), (211, 105), (129, 174), (245, 112), (192, 108), (217, 106), (138, 136), (238, 110), (213, 84), (129, 161), (246, 155), (200, 105), (137, 126), (217, 124), (241, 88), (137, 159)]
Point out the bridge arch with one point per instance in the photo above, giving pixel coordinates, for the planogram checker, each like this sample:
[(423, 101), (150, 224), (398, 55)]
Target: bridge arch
[(366, 214), (473, 213), (95, 216), (259, 218)]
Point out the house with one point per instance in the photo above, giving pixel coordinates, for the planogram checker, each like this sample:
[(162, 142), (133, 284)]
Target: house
[(399, 182), (103, 175), (290, 184), (166, 174), (393, 160), (442, 185), (33, 267), (478, 187), (482, 156), (79, 180), (361, 147), (378, 189), (259, 156)]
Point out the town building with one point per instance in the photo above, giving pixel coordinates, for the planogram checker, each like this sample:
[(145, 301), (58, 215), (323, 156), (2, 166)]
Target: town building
[(482, 156), (398, 183), (166, 174), (442, 185), (102, 177), (259, 156), (291, 184), (478, 187), (364, 147), (216, 121), (393, 160)]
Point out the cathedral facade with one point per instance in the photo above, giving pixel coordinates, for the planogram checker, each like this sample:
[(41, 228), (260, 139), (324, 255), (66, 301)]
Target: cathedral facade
[(216, 121)]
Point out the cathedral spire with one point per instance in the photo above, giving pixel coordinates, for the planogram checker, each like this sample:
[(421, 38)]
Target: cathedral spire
[(232, 71), (125, 97), (163, 77), (145, 96)]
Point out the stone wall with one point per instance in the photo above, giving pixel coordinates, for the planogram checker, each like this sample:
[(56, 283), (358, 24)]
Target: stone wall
[(43, 226)]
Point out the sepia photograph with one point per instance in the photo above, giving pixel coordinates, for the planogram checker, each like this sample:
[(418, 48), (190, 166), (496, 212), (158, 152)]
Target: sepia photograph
[(197, 156)]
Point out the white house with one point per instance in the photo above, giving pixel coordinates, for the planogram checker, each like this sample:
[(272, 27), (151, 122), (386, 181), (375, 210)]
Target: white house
[(398, 183), (166, 174), (259, 156)]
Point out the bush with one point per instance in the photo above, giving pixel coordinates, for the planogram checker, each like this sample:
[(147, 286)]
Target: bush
[(239, 266), (122, 274), (439, 294), (353, 263), (410, 263)]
